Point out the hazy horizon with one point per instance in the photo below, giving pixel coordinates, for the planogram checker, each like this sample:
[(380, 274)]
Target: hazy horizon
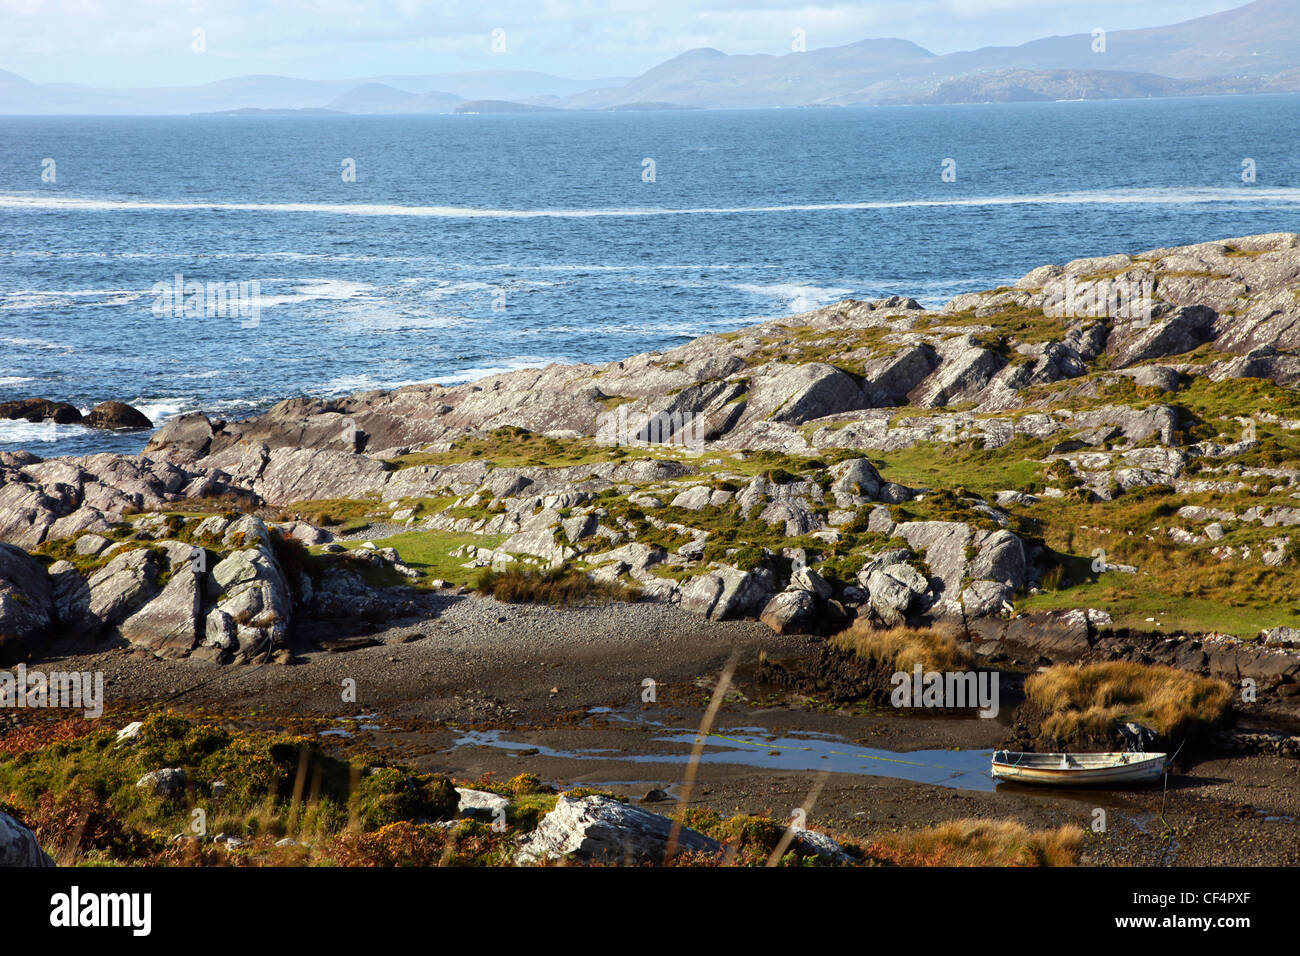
[(117, 45)]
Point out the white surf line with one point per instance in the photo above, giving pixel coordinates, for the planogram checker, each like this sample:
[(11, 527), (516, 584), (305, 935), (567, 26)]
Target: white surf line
[(1194, 196)]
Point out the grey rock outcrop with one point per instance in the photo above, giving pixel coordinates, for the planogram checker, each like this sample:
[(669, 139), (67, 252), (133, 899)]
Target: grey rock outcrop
[(1187, 329), (597, 828), (726, 593), (791, 612), (166, 782), (26, 605), (19, 846)]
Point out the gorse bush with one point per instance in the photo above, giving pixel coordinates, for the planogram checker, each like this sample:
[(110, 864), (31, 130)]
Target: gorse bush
[(388, 795)]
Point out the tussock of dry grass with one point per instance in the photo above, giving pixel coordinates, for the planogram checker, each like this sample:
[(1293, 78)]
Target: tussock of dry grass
[(980, 843), (561, 586), (1093, 698), (933, 648)]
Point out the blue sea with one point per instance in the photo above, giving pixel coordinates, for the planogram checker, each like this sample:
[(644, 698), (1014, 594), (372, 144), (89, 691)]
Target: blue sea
[(469, 245)]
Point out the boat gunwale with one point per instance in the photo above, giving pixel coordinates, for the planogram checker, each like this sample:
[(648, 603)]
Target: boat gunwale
[(1119, 760)]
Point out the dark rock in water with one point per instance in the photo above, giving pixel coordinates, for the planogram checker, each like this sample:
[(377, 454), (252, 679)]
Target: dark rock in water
[(116, 415), (40, 410)]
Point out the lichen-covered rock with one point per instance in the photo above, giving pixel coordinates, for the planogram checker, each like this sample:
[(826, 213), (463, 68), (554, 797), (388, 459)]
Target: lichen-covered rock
[(806, 579), (894, 590), (727, 593), (597, 828), (791, 612), (801, 393), (169, 624), (124, 585), (1185, 330)]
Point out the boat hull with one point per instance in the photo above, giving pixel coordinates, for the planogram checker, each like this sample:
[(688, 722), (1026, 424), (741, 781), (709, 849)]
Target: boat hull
[(1085, 771)]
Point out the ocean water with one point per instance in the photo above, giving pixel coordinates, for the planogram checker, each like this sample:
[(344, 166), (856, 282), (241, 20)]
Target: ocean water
[(473, 244)]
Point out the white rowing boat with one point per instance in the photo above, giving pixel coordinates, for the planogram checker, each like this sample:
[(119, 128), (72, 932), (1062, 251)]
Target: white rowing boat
[(1078, 770)]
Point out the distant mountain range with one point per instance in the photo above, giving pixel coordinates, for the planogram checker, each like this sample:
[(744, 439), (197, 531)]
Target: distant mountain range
[(432, 93), (1249, 49)]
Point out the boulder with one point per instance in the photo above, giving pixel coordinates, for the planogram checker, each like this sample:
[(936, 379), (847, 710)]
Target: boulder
[(806, 579), (824, 847), (26, 605), (1161, 377), (252, 591), (1282, 636), (166, 782), (220, 631), (1000, 556), (1262, 362), (882, 560), (185, 438), (116, 415), (169, 624), (19, 846), (791, 612), (123, 586), (540, 543), (981, 598), (727, 593), (473, 802), (40, 410), (893, 589), (71, 594), (800, 393), (602, 829), (965, 370), (855, 482), (944, 545), (888, 379)]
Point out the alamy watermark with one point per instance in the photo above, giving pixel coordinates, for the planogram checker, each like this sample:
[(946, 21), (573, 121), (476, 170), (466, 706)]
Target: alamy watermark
[(959, 690), (192, 299), (76, 690), (679, 429), (1126, 298)]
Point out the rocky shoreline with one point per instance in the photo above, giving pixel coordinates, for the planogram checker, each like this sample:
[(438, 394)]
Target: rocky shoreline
[(1048, 489), (765, 474), (819, 392)]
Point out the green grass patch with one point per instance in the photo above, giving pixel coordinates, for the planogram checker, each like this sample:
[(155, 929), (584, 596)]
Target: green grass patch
[(428, 552)]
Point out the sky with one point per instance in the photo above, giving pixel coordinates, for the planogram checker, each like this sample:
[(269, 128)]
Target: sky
[(126, 43)]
